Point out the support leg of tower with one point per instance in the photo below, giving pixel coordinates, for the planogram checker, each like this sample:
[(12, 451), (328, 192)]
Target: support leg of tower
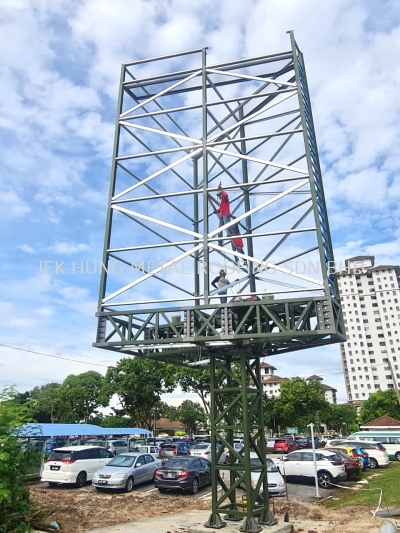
[(250, 525), (267, 518), (215, 521)]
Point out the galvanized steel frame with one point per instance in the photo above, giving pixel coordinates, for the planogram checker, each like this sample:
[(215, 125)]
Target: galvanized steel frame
[(207, 332)]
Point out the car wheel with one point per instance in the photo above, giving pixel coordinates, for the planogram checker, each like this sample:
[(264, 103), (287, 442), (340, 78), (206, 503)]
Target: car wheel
[(195, 486), (325, 480), (397, 455), (163, 491), (129, 484), (81, 479), (372, 463)]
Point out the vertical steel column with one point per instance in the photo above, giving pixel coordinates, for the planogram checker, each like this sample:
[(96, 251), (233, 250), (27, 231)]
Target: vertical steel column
[(214, 521), (196, 226), (107, 237), (236, 399), (314, 170), (247, 205), (205, 179)]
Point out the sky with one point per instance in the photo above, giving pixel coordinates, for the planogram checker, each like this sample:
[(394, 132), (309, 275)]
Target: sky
[(59, 74)]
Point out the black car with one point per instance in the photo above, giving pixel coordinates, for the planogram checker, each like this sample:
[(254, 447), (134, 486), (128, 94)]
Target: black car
[(183, 473), (173, 449), (303, 442)]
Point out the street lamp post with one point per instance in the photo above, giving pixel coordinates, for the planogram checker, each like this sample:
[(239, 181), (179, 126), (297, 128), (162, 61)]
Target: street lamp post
[(311, 426), (154, 425)]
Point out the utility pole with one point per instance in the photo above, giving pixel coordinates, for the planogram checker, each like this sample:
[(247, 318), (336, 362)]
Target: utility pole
[(396, 388)]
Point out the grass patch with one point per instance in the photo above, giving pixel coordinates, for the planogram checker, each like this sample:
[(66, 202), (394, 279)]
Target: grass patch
[(388, 481)]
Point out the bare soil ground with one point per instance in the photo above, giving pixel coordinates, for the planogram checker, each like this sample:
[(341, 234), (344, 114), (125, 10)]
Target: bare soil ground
[(84, 510)]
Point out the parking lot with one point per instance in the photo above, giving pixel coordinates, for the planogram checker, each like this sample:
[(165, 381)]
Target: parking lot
[(304, 492)]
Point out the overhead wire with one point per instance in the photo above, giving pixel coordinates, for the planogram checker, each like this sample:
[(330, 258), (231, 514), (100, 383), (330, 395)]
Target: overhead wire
[(52, 356)]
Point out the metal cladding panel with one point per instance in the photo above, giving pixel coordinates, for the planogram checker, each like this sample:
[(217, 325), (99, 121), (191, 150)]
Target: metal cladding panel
[(63, 430)]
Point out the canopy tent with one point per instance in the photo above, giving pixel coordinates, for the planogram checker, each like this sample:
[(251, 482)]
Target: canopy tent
[(65, 430)]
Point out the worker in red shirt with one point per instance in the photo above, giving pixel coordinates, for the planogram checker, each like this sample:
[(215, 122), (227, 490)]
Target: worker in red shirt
[(237, 246), (224, 211)]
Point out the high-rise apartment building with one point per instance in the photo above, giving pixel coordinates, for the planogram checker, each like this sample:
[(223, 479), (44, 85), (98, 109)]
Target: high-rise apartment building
[(371, 310)]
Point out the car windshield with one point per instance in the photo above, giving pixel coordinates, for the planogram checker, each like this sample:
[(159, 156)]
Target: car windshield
[(123, 460), (176, 463), (200, 447), (141, 449), (255, 461)]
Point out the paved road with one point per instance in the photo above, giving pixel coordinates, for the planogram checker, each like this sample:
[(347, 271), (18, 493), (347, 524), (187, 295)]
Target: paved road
[(305, 492)]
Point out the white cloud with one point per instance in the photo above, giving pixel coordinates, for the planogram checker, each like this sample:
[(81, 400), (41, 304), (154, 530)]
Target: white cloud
[(26, 248), (16, 207), (57, 109), (68, 248)]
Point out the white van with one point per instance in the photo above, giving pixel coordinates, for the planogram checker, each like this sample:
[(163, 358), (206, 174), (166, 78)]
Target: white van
[(74, 464), (389, 439)]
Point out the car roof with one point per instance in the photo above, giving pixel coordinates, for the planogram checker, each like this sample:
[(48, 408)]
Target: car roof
[(130, 454), (76, 448), (320, 450), (185, 458)]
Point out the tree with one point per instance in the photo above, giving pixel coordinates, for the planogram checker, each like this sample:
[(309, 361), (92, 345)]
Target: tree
[(303, 402), (380, 403), (190, 415), (197, 381), (81, 396), (273, 414), (139, 384), (342, 418), (15, 463), (44, 402)]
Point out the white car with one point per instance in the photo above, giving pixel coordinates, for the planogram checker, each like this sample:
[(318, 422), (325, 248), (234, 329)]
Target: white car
[(74, 464), (204, 450), (377, 454), (125, 471), (152, 450), (276, 483), (299, 465)]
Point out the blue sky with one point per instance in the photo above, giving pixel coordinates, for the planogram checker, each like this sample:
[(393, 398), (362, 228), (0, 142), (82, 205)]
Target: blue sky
[(59, 74)]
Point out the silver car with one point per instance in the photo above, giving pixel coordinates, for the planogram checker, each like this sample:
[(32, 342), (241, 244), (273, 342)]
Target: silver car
[(204, 450), (276, 483), (117, 446), (125, 471)]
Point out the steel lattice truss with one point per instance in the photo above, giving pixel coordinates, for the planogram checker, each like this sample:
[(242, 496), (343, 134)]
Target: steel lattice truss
[(248, 125)]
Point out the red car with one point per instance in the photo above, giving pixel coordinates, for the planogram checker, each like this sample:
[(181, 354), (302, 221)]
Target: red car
[(285, 445)]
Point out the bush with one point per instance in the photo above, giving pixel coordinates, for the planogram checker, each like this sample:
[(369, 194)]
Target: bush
[(15, 463)]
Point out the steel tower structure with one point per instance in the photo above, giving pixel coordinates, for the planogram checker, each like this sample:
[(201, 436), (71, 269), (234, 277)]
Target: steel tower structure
[(183, 127)]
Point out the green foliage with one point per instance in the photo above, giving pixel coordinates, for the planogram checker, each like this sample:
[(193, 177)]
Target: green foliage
[(301, 403), (342, 418), (196, 381), (15, 463), (190, 415), (139, 384), (357, 500), (273, 414), (380, 403), (80, 396)]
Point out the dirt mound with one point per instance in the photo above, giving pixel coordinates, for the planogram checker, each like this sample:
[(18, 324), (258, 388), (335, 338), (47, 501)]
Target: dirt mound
[(81, 510)]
